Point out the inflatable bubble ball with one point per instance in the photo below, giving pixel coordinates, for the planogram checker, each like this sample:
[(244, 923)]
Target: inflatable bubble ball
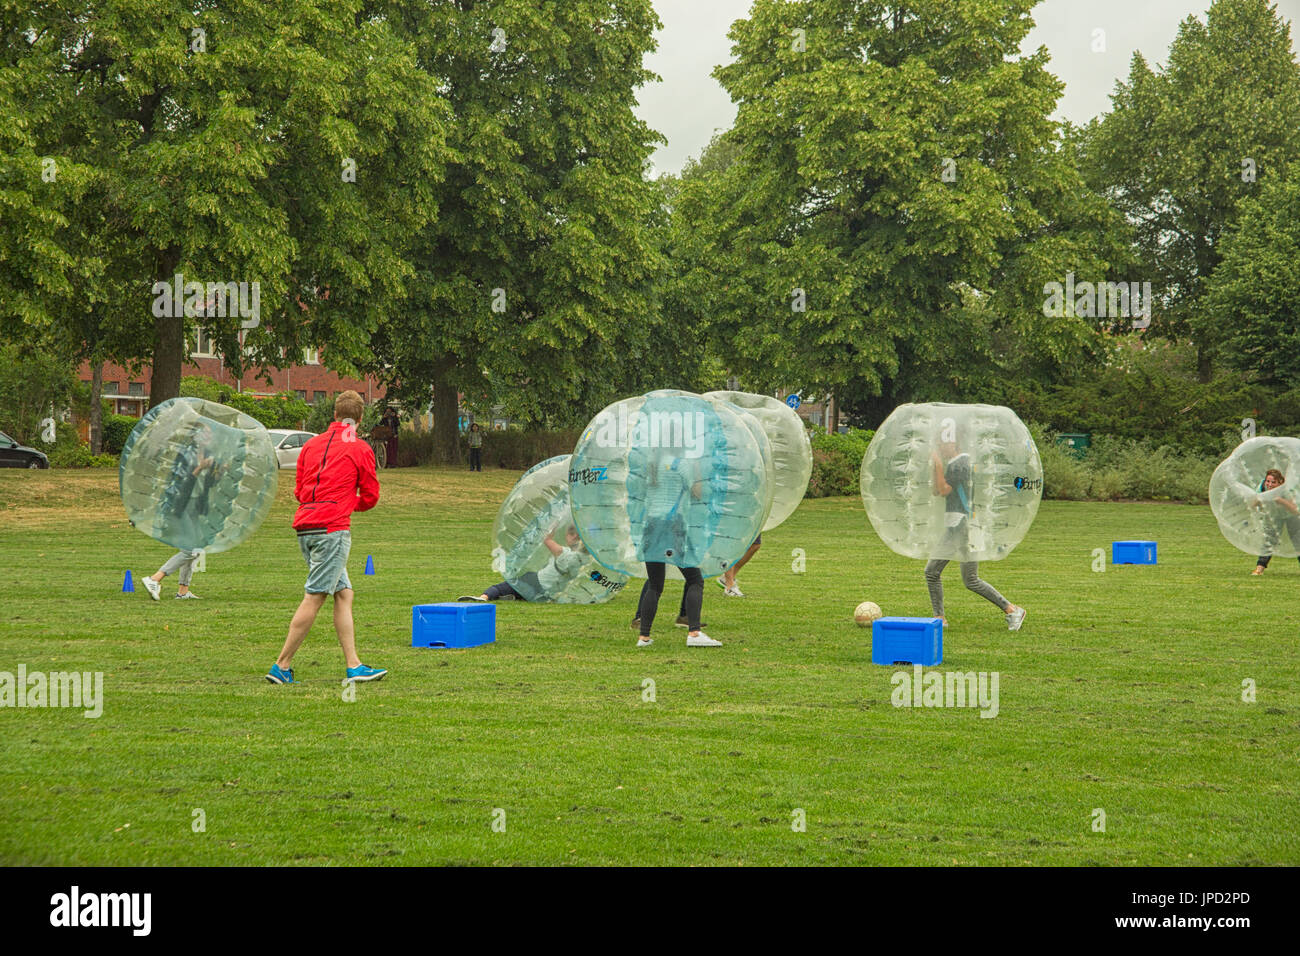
[(537, 548), (197, 475), (668, 477), (955, 482), (791, 450), (1253, 496)]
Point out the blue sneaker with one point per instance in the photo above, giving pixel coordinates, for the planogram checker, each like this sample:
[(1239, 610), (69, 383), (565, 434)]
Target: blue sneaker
[(363, 673), (277, 676)]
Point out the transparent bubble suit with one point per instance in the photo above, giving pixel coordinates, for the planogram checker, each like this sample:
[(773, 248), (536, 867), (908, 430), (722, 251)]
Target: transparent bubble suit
[(197, 475), (1256, 521), (538, 507), (791, 451), (986, 458)]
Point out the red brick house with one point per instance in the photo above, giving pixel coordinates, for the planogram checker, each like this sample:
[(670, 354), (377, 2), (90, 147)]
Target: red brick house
[(309, 379)]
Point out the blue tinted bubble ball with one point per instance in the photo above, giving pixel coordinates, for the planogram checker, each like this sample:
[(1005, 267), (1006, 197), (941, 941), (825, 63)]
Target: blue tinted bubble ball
[(668, 477)]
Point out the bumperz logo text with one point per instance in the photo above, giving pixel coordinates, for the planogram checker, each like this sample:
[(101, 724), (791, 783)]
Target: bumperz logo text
[(612, 586), (1028, 484), (102, 909), (586, 476)]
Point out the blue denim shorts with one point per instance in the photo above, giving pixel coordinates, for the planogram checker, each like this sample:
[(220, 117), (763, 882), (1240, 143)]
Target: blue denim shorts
[(327, 561)]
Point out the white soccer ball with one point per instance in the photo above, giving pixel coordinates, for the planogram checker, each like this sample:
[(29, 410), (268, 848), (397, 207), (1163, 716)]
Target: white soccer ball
[(866, 612)]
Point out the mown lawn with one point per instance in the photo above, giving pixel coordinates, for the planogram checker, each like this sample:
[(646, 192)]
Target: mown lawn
[(1123, 693)]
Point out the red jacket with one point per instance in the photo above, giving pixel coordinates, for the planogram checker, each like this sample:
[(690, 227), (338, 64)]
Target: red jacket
[(336, 476)]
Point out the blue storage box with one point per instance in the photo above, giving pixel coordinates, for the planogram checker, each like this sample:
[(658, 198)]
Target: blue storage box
[(1132, 552), (907, 640), (453, 624)]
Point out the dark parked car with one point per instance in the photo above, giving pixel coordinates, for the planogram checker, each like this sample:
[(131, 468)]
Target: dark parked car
[(14, 455)]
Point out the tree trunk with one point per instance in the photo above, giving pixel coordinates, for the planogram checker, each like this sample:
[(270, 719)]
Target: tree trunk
[(835, 423), (96, 407), (1204, 364), (168, 341), (446, 447)]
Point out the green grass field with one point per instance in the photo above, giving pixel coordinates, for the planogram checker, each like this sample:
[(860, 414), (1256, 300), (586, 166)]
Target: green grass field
[(1123, 692)]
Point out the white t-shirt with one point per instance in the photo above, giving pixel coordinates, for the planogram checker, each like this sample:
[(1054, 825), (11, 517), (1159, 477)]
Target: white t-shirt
[(560, 570)]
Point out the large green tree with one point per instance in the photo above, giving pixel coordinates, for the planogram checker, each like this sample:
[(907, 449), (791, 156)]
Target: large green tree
[(1254, 295), (898, 197), (534, 287), (1185, 145), (294, 146)]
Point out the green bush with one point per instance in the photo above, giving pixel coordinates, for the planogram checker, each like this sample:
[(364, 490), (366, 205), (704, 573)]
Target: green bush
[(285, 410), (517, 449), (837, 462), (117, 428), (200, 386), (78, 456), (1116, 467), (413, 449), (1107, 485)]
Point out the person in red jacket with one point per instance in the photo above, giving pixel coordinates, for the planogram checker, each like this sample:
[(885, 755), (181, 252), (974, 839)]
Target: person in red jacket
[(336, 476)]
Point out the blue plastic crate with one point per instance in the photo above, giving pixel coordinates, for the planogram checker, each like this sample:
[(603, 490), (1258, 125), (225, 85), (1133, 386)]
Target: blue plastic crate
[(907, 640), (1132, 552), (453, 624)]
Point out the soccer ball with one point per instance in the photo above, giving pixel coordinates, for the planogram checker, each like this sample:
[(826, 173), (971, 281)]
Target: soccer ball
[(866, 612)]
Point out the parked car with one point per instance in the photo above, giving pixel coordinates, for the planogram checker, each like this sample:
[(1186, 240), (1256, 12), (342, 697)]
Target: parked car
[(288, 445), (14, 455)]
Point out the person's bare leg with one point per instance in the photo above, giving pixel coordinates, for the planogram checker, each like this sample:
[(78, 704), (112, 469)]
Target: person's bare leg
[(729, 575), (303, 618), (344, 627)]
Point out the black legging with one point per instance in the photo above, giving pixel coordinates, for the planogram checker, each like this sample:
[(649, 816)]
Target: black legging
[(476, 459), (498, 591), (692, 599)]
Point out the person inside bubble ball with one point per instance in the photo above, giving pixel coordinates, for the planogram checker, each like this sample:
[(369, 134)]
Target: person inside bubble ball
[(668, 494), (1282, 512), (184, 507), (952, 478), (566, 563)]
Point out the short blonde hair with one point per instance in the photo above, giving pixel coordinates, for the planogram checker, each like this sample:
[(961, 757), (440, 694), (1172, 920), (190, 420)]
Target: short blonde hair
[(348, 405)]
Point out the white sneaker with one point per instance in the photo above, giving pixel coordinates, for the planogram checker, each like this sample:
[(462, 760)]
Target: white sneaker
[(734, 591), (701, 640), (1016, 618), (187, 596), (644, 641), (154, 588)]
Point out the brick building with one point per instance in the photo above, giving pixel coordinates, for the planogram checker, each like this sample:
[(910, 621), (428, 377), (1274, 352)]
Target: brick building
[(310, 380)]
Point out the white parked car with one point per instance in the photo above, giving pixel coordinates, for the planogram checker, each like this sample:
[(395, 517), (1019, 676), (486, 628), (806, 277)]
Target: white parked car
[(288, 445)]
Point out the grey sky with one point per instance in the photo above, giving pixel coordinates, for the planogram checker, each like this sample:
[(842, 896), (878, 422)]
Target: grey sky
[(689, 104)]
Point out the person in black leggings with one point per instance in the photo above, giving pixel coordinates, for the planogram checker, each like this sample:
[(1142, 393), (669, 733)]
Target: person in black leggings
[(664, 532)]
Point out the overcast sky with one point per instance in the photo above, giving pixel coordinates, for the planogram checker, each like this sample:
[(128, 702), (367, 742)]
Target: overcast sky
[(689, 104)]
